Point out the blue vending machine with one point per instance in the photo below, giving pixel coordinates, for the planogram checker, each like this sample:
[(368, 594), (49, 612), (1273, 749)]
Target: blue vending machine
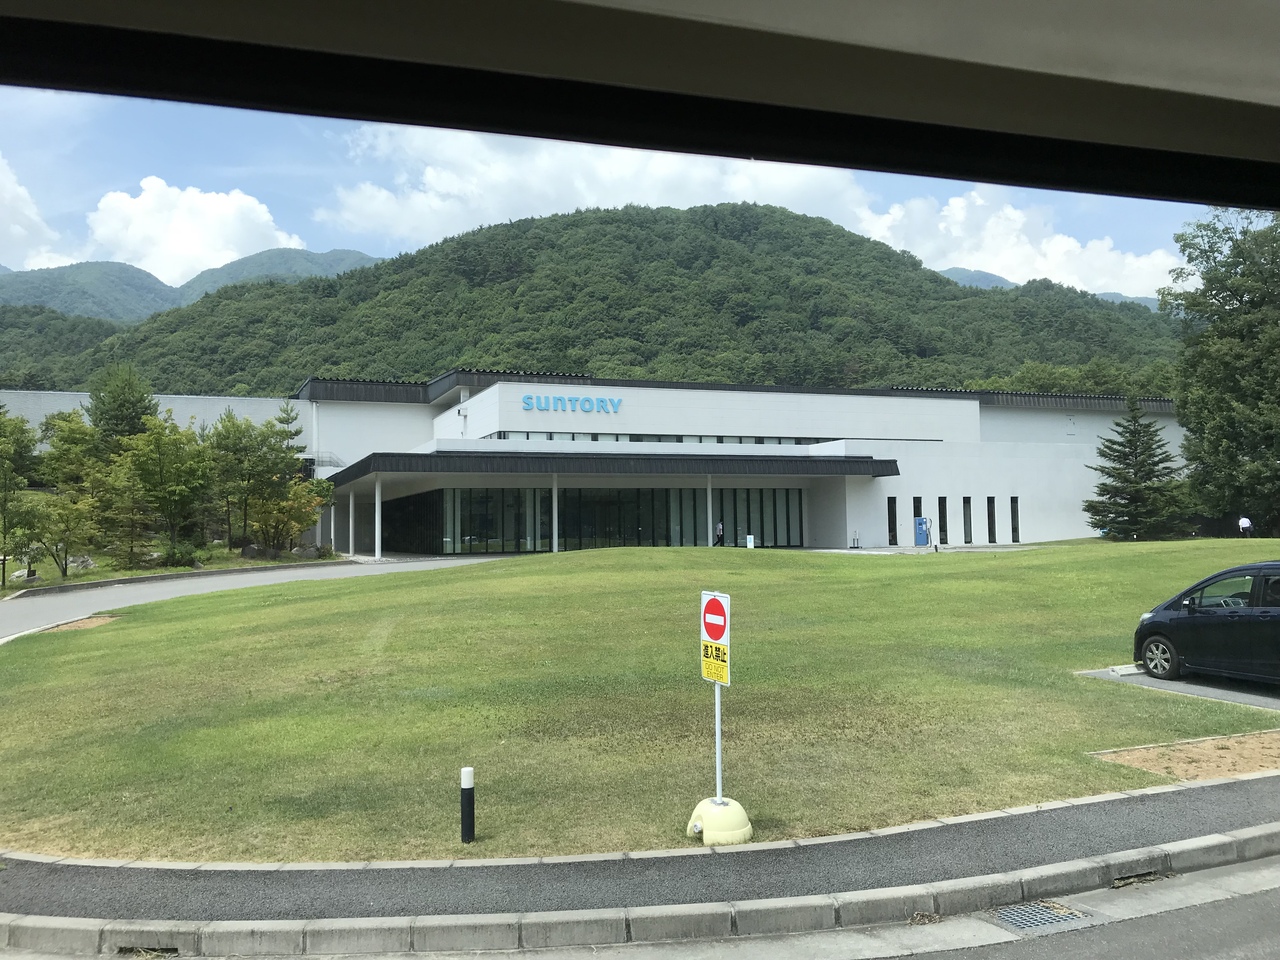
[(922, 531)]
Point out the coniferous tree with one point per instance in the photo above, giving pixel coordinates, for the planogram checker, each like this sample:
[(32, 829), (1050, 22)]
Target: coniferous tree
[(1141, 496), (120, 400)]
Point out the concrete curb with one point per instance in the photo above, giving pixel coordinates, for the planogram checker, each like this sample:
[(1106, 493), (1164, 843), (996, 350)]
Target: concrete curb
[(368, 935), (157, 577)]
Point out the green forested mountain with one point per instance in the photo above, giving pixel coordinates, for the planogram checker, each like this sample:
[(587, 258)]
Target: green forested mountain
[(283, 264), (36, 343), (4, 269), (731, 293), (112, 291)]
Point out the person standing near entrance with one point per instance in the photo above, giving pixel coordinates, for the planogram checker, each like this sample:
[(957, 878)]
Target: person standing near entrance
[(1246, 527), (719, 533)]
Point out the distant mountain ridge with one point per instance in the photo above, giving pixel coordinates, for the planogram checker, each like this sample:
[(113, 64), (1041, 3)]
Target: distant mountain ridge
[(127, 295), (4, 269), (284, 264), (102, 289), (991, 281), (977, 278)]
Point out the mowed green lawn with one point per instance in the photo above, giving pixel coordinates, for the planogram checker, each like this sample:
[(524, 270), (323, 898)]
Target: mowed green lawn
[(320, 721)]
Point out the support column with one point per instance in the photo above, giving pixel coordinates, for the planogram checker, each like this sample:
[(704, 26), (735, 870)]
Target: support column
[(351, 523), (377, 518), (333, 525), (555, 514), (711, 520), (315, 462)]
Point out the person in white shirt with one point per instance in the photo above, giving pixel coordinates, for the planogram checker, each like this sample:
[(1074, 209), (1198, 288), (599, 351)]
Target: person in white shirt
[(1246, 527)]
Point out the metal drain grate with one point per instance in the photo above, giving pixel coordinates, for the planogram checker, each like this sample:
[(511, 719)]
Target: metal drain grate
[(1041, 913)]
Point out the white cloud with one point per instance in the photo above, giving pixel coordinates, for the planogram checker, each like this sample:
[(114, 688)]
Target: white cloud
[(981, 230), (24, 236), (444, 182), (438, 183), (175, 233)]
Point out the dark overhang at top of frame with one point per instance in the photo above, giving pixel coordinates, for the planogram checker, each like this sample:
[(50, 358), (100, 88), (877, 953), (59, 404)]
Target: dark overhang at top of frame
[(614, 464), (945, 116)]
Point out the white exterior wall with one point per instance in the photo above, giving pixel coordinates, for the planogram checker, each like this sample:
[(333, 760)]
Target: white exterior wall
[(352, 431), (35, 405), (482, 418), (678, 412), (1050, 480), (1030, 425)]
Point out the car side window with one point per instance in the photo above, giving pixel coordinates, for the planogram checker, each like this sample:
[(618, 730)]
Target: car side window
[(1271, 590), (1228, 592)]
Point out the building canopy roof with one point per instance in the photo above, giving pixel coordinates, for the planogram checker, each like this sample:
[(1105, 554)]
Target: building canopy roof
[(613, 464)]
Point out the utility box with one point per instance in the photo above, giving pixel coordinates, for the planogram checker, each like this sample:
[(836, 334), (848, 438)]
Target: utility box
[(922, 532)]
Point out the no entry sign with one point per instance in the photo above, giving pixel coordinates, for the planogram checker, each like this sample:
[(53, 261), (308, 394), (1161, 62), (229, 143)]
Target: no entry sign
[(714, 623), (715, 619)]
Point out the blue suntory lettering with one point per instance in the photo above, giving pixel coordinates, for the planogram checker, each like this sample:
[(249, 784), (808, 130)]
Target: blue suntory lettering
[(576, 404)]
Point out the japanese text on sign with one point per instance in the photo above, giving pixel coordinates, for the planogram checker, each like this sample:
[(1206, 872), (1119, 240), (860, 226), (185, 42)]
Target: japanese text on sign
[(715, 662)]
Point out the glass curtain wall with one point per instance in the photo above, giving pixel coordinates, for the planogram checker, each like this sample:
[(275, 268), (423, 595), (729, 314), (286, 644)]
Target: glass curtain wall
[(518, 520)]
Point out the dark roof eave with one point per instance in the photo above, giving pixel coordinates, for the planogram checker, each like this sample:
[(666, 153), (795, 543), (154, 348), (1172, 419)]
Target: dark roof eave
[(388, 391), (616, 464)]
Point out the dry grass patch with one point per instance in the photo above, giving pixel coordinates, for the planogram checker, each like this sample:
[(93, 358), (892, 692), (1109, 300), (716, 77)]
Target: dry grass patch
[(1207, 758), (84, 624)]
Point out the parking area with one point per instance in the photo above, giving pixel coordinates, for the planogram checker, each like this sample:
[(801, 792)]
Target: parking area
[(1266, 696)]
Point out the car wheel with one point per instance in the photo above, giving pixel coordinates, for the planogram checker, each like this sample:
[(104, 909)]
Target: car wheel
[(1160, 659)]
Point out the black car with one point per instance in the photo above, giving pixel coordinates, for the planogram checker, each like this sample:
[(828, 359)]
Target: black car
[(1227, 624)]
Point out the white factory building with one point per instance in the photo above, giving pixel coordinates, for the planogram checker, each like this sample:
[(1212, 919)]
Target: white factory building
[(497, 462)]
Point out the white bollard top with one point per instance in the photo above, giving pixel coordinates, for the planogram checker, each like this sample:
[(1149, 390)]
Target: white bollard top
[(468, 778)]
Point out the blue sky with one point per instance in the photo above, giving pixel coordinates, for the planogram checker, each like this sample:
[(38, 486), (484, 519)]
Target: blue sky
[(176, 188)]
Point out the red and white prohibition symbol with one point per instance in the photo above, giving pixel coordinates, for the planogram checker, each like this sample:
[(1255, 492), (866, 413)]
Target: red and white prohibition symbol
[(715, 620)]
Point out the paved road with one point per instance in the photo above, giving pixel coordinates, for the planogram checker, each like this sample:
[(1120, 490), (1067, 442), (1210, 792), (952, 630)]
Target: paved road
[(1250, 694), (1239, 928), (32, 611), (940, 853)]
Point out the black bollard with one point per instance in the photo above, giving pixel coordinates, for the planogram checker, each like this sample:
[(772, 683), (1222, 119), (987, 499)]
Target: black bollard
[(468, 804)]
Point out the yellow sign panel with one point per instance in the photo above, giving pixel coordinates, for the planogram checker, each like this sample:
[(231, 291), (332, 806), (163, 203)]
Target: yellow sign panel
[(715, 662)]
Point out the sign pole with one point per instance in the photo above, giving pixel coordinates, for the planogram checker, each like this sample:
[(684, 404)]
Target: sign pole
[(719, 819), (719, 755)]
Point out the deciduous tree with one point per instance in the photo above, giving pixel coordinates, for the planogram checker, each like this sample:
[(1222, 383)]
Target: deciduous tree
[(174, 469), (126, 512), (1229, 395), (64, 524), (17, 453)]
